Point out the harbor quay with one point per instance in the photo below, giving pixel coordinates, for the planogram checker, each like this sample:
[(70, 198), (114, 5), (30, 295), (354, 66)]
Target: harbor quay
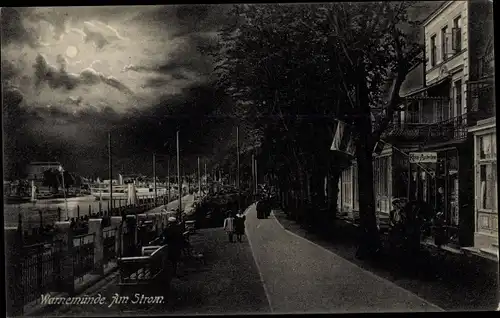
[(70, 262)]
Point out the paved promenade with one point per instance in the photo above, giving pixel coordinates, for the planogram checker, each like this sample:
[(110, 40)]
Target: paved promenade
[(271, 271), (187, 202), (300, 276), (229, 283)]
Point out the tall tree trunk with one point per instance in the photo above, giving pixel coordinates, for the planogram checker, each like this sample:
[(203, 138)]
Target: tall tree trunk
[(369, 240)]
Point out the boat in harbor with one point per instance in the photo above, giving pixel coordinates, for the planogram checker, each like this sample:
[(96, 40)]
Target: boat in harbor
[(120, 192)]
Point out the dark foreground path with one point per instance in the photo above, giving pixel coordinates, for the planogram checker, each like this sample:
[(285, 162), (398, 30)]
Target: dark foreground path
[(300, 276), (228, 284), (453, 282)]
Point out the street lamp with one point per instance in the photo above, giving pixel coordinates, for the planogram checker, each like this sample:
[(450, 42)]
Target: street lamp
[(61, 170), (155, 156)]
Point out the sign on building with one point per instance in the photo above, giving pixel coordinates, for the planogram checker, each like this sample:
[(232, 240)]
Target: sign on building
[(343, 140), (423, 157)]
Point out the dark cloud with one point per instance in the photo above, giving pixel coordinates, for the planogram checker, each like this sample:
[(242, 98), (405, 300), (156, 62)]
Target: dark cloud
[(13, 29), (156, 81), (77, 100), (74, 129), (9, 70), (191, 56), (59, 78), (98, 33), (12, 97)]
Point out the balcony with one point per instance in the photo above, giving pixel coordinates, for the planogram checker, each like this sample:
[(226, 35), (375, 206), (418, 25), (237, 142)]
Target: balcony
[(481, 100), (412, 122), (453, 129)]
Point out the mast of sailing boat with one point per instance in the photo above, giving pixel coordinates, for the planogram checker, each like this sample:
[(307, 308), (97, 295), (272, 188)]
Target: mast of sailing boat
[(179, 176), (110, 174)]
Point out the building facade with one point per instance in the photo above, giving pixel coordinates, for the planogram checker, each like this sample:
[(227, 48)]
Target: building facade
[(481, 102), (36, 169), (447, 117)]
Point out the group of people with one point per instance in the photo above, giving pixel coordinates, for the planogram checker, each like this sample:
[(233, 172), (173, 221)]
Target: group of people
[(235, 225)]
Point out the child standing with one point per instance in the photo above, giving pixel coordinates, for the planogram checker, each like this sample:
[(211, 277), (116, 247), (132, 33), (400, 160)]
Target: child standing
[(229, 226)]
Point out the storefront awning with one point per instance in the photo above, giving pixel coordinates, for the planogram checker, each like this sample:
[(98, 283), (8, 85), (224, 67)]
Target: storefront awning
[(421, 93), (343, 147)]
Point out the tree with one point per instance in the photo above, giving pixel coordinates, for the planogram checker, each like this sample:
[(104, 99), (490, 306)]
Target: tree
[(378, 46), (292, 68), (51, 180), (268, 64), (69, 179)]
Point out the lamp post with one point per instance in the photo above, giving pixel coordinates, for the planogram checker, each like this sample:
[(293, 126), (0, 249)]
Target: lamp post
[(199, 177), (179, 175), (154, 176), (206, 177), (64, 192), (110, 174), (238, 165), (168, 180)]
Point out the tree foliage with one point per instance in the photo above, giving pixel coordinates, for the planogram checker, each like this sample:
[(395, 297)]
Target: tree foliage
[(292, 69), (54, 179)]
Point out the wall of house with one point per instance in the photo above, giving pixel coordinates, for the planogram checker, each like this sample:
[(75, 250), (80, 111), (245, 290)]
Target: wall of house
[(456, 65), (481, 33), (486, 200)]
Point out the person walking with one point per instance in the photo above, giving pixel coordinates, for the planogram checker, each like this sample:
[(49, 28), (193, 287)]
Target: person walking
[(239, 226), (229, 226), (173, 237)]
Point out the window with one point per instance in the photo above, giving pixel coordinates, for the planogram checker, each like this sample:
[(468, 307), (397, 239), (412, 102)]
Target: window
[(457, 34), (381, 170), (444, 43), (355, 188), (458, 97), (487, 178), (433, 50), (347, 187)]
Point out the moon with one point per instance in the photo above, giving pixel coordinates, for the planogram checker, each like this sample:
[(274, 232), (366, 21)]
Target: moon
[(71, 51)]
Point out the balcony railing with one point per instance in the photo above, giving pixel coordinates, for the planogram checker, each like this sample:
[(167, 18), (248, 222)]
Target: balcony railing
[(447, 130), (481, 103)]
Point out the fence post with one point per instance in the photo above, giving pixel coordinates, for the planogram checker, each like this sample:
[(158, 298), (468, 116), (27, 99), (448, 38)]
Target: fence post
[(132, 230), (13, 257), (78, 211), (116, 222), (90, 210), (65, 234), (59, 214), (95, 226), (40, 218), (100, 206)]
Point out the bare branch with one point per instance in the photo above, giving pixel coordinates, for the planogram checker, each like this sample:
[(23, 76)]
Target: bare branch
[(394, 98)]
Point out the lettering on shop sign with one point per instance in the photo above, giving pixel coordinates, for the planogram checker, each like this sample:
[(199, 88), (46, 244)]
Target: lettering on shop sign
[(423, 157)]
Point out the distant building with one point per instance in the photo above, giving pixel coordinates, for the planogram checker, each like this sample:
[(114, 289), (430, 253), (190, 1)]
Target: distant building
[(35, 169)]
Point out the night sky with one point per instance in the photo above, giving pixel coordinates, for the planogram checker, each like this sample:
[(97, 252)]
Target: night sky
[(71, 75)]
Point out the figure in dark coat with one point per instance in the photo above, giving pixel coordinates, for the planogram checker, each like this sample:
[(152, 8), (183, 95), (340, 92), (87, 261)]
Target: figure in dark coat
[(173, 237), (239, 224)]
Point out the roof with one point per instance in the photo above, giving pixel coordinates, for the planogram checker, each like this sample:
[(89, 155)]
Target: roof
[(425, 88), (436, 12), (45, 163)]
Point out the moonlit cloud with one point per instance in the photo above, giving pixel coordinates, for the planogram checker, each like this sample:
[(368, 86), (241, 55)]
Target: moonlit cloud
[(71, 73), (91, 46)]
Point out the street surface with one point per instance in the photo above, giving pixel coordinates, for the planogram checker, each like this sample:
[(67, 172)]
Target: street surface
[(272, 270), (300, 276), (229, 283)]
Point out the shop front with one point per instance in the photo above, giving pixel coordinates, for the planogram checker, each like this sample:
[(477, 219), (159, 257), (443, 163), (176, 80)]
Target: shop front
[(435, 176), (485, 185), (446, 184)]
